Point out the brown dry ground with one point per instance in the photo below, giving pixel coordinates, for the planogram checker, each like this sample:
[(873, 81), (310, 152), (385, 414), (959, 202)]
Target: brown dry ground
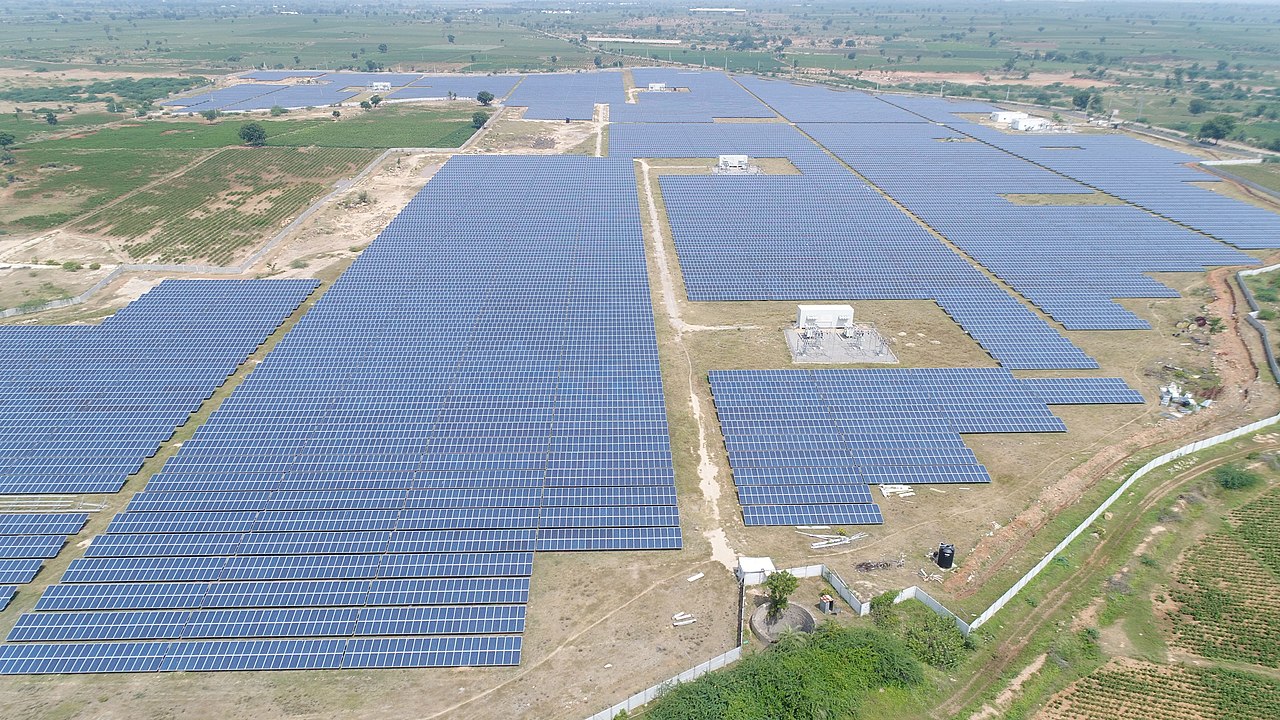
[(37, 285), (599, 624)]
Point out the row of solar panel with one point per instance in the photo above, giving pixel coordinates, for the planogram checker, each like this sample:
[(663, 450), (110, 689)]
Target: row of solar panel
[(308, 654)]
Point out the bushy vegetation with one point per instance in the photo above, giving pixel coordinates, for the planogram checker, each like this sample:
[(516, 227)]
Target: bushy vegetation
[(826, 674), (137, 91), (933, 639), (1232, 477)]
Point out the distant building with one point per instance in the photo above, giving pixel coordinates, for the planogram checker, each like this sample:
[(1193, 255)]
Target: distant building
[(1006, 116), (383, 86), (717, 11), (658, 87), (1030, 124)]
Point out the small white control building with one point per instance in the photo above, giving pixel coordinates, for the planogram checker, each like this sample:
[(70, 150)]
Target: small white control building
[(1006, 116), (658, 87), (1029, 124), (753, 571), (734, 163), (824, 316), (383, 86)]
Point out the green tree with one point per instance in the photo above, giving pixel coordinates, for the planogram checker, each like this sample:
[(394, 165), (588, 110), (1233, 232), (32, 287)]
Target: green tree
[(253, 134), (484, 97), (7, 139), (779, 586), (1197, 106), (599, 61), (478, 119), (1216, 128), (1081, 99), (337, 114), (1095, 103), (376, 100), (365, 104), (50, 118), (382, 47), (209, 115), (450, 38), (277, 111)]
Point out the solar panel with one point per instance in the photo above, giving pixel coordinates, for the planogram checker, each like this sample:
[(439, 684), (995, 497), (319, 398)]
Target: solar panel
[(805, 445)]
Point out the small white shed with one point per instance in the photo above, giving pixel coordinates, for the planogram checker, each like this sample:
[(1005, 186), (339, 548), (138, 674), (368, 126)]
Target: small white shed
[(657, 87), (824, 316), (734, 163), (1006, 116), (1028, 124), (753, 571), (383, 86)]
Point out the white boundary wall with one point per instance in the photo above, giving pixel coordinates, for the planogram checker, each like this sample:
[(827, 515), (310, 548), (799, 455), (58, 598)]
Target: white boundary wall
[(1183, 451)]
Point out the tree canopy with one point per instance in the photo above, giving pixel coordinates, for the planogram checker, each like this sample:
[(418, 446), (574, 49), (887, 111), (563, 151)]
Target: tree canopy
[(484, 97), (780, 585), (253, 134), (1216, 128)]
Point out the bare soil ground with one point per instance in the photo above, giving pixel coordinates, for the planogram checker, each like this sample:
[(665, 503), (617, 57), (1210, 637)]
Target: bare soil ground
[(511, 134)]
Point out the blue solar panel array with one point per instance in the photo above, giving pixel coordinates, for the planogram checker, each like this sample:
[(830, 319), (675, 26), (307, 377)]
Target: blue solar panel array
[(26, 540), (1152, 177), (822, 235), (1071, 261), (572, 96), (1082, 391), (251, 93), (691, 97), (462, 86), (278, 75), (805, 444), (81, 407), (465, 394), (823, 104)]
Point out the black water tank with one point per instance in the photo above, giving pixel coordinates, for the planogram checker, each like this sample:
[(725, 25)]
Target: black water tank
[(946, 555)]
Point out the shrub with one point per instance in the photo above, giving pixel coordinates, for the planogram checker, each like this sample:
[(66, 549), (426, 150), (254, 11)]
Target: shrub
[(1230, 477)]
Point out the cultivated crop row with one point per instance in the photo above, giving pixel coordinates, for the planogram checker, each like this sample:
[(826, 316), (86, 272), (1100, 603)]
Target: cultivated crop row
[(232, 201), (1227, 589), (1143, 691)]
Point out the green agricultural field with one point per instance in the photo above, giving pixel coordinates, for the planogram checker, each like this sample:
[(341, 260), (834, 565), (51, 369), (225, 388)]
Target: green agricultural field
[(215, 39), (401, 125), (52, 186), (1228, 589), (1266, 175), (233, 200), (28, 127), (409, 125)]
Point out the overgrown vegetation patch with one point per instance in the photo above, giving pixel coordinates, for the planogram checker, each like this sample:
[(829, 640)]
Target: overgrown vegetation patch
[(826, 674)]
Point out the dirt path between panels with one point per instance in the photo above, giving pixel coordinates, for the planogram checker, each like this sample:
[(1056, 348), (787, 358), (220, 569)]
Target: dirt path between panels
[(708, 469), (1238, 369)]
